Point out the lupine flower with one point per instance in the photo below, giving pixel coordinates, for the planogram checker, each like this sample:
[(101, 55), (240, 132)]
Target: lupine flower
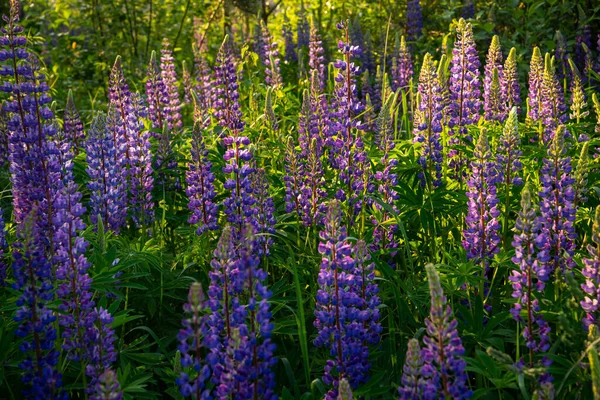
[(357, 38), (443, 73), (190, 346), (468, 9), (226, 100), (288, 37), (156, 95), (73, 126), (512, 90), (581, 175), (402, 72), (204, 76), (591, 271), (107, 387), (316, 59), (200, 180), (481, 235), (553, 110), (100, 343), (584, 37), (464, 88), (271, 60), (578, 102), (264, 211), (4, 134), (364, 269), (493, 96), (415, 377), (345, 391), (3, 249), (169, 76), (312, 192), (597, 111), (303, 29), (106, 167), (428, 126), (588, 65), (33, 278), (531, 276), (414, 20), (536, 77), (557, 207), (258, 44), (383, 236), (443, 350), (338, 309)]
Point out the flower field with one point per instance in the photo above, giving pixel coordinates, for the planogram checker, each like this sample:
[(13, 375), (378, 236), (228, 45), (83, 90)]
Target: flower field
[(299, 200)]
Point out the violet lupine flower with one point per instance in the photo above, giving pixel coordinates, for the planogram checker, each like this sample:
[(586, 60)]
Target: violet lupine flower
[(3, 250), (383, 236), (288, 37), (339, 303), (264, 211), (557, 207), (512, 90), (414, 20), (481, 235), (402, 68), (156, 95), (204, 77), (226, 96), (258, 43), (415, 376), (578, 100), (464, 90), (357, 38), (531, 276), (443, 350), (591, 271), (509, 154), (201, 188), (33, 277), (316, 58), (192, 383), (169, 76), (106, 169), (554, 109), (494, 101), (584, 38), (303, 29), (428, 126), (107, 387), (312, 192), (364, 269), (73, 126), (468, 9), (536, 78), (4, 134), (101, 345), (271, 60)]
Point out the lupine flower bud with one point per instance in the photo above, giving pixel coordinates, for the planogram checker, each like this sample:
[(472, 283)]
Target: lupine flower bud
[(536, 77), (172, 103), (493, 82), (402, 69), (553, 110), (415, 377), (511, 87), (107, 387), (73, 126), (578, 102)]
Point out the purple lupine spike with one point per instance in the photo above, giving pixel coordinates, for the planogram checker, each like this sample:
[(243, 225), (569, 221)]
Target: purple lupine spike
[(226, 95), (364, 269), (288, 36), (561, 55), (106, 168), (494, 99), (3, 250), (347, 148), (512, 90), (428, 125), (312, 192), (200, 180), (33, 277), (557, 207), (316, 58), (271, 60), (141, 181), (443, 350), (107, 387), (258, 43), (73, 126), (303, 29), (156, 94), (464, 90), (192, 382), (536, 78), (338, 306), (414, 20), (386, 179), (531, 278), (554, 109), (264, 211), (357, 38), (204, 77), (591, 272), (415, 376), (443, 73), (481, 235), (169, 77), (403, 72), (101, 345)]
